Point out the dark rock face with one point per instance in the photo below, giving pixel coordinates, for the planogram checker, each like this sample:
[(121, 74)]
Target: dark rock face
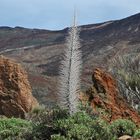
[(104, 95), (15, 91)]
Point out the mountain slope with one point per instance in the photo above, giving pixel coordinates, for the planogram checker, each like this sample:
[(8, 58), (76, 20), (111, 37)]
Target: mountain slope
[(41, 50)]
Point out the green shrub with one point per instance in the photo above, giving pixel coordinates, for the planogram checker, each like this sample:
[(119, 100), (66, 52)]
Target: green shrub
[(58, 137), (137, 134), (57, 124), (122, 127), (12, 128), (44, 122), (44, 115), (101, 130), (79, 132), (81, 126), (38, 110)]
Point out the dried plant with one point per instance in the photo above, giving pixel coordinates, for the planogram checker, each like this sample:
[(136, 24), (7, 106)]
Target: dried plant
[(69, 79), (126, 69)]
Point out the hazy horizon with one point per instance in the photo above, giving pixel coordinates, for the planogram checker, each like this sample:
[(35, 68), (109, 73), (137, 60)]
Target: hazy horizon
[(56, 15)]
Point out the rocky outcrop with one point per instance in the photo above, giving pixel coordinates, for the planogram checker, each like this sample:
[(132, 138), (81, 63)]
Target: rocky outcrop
[(106, 100), (15, 91)]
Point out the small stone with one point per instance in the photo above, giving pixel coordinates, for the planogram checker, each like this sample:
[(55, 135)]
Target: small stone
[(125, 137)]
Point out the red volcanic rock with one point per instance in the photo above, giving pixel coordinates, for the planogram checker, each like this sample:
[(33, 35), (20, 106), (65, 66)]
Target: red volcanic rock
[(15, 91), (105, 98)]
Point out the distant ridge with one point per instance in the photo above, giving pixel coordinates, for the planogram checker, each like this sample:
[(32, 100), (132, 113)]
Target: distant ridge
[(100, 44)]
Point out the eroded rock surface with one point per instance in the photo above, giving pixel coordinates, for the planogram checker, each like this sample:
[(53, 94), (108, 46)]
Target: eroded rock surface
[(15, 91), (105, 98)]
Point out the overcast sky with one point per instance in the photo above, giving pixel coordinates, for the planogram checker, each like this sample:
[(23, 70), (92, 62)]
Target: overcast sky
[(57, 14)]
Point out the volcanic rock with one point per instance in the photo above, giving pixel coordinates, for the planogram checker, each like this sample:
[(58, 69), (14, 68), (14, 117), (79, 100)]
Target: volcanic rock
[(106, 100), (15, 91)]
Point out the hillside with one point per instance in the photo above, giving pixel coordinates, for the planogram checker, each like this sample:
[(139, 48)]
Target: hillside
[(40, 51)]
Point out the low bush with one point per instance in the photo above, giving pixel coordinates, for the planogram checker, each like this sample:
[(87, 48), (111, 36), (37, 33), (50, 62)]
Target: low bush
[(122, 127), (14, 128), (81, 126), (44, 122), (58, 137), (57, 124), (137, 134)]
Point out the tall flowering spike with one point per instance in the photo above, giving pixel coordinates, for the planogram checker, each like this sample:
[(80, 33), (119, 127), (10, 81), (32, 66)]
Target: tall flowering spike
[(70, 71)]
